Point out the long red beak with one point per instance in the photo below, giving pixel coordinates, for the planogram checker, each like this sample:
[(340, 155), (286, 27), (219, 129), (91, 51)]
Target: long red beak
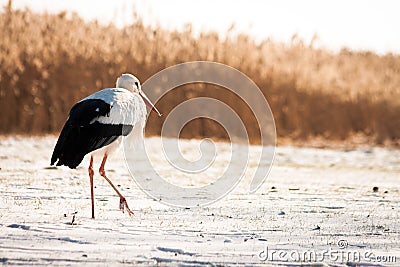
[(149, 104)]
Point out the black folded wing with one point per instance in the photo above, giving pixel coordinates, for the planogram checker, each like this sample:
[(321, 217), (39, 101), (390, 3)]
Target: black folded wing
[(82, 134)]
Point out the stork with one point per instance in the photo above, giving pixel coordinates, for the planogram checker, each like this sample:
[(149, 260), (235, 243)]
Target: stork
[(97, 124)]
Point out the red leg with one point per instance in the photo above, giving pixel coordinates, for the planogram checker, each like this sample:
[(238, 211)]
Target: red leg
[(122, 203), (91, 173)]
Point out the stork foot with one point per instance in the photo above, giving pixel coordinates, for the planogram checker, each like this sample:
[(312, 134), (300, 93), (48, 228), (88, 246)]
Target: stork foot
[(124, 205)]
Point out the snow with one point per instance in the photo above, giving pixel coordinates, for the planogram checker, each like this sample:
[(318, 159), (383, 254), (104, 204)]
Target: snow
[(314, 200)]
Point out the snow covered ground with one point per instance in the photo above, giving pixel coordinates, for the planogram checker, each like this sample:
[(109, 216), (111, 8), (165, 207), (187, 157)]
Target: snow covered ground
[(317, 206)]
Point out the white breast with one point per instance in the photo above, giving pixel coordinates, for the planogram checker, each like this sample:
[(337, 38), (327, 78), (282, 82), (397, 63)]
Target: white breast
[(126, 107)]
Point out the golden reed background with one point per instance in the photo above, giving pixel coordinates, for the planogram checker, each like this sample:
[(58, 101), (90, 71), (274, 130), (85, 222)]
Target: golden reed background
[(48, 62)]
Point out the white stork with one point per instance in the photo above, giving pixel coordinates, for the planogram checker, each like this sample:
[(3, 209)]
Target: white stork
[(96, 125)]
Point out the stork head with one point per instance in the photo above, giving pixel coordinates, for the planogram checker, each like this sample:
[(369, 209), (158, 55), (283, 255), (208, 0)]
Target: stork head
[(131, 83)]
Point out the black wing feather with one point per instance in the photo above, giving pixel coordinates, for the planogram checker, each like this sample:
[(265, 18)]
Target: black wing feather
[(80, 137)]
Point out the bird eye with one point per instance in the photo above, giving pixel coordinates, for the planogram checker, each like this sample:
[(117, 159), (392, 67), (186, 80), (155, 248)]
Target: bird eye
[(137, 84)]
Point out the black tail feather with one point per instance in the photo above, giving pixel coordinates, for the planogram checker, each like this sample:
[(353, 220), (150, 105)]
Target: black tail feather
[(75, 141), (67, 150)]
